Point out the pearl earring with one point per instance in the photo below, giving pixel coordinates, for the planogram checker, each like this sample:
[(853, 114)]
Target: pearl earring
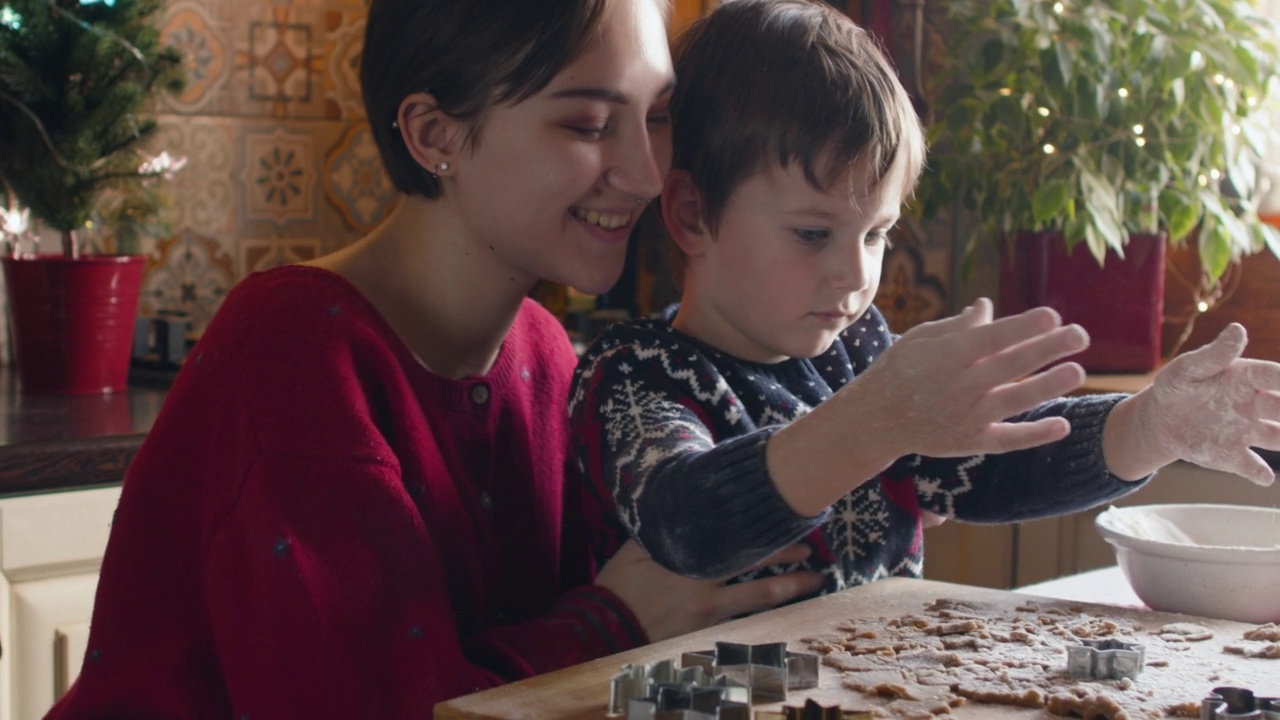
[(442, 167), (395, 125)]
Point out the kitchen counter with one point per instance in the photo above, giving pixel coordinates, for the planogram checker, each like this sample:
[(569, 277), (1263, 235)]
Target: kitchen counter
[(59, 442)]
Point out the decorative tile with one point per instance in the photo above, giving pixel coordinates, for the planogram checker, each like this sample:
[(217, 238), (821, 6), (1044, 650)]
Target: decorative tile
[(189, 273), (279, 61), (203, 191), (908, 295), (343, 44), (355, 182), (279, 176), (263, 254), (188, 27)]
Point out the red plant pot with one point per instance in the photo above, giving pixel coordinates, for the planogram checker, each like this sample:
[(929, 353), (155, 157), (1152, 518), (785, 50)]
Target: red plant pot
[(73, 321), (1120, 304)]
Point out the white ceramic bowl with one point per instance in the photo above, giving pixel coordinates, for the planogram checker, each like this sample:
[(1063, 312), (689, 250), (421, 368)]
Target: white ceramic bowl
[(1218, 561)]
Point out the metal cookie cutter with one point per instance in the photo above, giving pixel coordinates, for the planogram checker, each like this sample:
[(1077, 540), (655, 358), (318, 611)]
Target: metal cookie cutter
[(768, 669), (1234, 702), (641, 682), (1108, 659), (688, 702)]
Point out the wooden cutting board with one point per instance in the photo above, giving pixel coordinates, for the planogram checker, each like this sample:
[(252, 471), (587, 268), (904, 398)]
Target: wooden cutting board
[(582, 691)]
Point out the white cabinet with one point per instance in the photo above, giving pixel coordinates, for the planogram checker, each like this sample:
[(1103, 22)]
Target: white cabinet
[(51, 548)]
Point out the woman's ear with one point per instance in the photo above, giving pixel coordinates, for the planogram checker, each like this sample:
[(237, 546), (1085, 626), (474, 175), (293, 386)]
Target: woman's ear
[(683, 213), (432, 136)]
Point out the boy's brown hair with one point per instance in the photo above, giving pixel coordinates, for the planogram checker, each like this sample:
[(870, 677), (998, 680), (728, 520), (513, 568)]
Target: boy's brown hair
[(762, 82), (470, 55)]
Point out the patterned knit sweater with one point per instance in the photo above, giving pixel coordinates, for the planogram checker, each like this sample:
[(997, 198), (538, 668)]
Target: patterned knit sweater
[(670, 434)]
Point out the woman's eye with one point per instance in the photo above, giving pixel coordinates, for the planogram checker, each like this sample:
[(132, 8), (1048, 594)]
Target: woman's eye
[(662, 118), (591, 132), (813, 235)]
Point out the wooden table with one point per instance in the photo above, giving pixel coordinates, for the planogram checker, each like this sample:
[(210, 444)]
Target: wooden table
[(583, 691)]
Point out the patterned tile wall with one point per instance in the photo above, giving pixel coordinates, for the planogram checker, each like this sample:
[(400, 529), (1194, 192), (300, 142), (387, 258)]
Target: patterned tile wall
[(281, 166)]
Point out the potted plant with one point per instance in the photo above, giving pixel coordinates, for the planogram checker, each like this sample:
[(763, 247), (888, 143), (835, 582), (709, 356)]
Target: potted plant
[(75, 78), (1087, 131)]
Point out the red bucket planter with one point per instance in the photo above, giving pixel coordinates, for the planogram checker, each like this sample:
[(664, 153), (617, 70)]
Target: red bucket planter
[(1120, 304), (73, 320)]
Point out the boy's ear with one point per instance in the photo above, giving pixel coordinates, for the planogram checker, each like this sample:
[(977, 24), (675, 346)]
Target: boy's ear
[(431, 135), (682, 212)]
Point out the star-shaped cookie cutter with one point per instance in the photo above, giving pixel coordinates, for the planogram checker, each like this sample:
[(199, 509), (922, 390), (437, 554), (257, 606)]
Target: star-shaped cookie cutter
[(768, 669), (1233, 702), (1108, 659), (641, 682), (688, 702)]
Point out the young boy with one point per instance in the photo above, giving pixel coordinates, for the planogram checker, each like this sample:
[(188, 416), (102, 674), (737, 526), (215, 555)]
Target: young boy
[(756, 416)]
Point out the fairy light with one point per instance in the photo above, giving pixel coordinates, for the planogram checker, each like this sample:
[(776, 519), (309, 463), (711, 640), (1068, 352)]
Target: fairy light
[(1006, 92), (1043, 111), (1049, 149), (10, 19), (1219, 78), (1235, 129), (1140, 142), (1137, 129), (1204, 181), (1215, 174), (1123, 92), (1202, 306), (1058, 8), (1251, 101), (1229, 83)]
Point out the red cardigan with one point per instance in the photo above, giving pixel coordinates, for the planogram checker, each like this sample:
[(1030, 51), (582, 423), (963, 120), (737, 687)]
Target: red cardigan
[(318, 526)]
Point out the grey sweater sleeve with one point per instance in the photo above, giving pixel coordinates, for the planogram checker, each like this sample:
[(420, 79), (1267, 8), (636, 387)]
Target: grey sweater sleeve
[(1053, 479)]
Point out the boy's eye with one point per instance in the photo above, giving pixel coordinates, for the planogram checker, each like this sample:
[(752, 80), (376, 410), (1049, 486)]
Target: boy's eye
[(880, 237), (813, 235)]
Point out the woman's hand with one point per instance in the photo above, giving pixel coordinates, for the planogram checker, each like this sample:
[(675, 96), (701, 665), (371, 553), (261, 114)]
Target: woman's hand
[(1208, 407), (668, 604)]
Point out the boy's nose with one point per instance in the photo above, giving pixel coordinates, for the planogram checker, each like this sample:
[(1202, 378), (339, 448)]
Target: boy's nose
[(852, 272)]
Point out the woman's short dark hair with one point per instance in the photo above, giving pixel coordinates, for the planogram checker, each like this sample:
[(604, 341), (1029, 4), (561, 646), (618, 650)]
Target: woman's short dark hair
[(469, 54), (762, 82)]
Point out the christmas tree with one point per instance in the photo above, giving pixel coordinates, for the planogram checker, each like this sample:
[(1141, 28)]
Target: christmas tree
[(75, 78)]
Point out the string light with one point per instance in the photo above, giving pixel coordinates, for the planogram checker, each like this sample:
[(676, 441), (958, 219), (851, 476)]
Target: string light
[(1006, 92), (1219, 78), (1058, 8), (1049, 149), (1204, 181), (1140, 142), (10, 19), (1235, 129), (1215, 174), (1202, 306), (1044, 111), (1137, 129), (1123, 92)]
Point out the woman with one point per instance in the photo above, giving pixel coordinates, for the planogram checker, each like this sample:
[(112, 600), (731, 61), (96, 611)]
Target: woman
[(351, 504)]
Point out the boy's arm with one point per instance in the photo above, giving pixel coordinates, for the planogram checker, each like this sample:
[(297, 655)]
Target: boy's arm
[(944, 389), (641, 433)]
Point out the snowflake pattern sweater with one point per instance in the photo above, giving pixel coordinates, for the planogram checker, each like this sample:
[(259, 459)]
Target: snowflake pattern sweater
[(317, 526), (670, 435)]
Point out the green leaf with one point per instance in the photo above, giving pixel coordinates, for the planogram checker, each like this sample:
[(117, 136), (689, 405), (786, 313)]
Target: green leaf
[(1049, 201)]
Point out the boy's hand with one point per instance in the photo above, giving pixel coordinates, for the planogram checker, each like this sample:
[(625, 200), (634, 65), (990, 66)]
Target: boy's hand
[(1208, 406), (945, 387), (668, 604)]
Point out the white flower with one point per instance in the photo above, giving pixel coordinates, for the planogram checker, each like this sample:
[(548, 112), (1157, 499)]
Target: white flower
[(164, 165), (14, 221)]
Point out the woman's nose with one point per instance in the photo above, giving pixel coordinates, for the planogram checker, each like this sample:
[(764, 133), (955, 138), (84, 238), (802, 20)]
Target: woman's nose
[(641, 163)]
